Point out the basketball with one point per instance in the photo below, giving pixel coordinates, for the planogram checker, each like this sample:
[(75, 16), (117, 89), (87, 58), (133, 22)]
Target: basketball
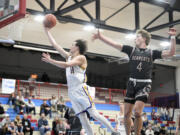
[(49, 21)]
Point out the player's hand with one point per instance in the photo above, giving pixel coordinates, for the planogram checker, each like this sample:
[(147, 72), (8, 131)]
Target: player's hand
[(172, 32), (96, 35), (46, 28), (46, 57)]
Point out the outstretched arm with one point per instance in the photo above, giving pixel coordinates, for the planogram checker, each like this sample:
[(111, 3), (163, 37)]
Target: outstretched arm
[(106, 40), (78, 61), (171, 52), (64, 53)]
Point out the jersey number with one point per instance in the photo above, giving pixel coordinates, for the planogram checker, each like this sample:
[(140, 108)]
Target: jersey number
[(72, 70), (139, 67)]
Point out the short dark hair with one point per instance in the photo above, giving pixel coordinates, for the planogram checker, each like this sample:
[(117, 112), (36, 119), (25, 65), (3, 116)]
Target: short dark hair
[(82, 46)]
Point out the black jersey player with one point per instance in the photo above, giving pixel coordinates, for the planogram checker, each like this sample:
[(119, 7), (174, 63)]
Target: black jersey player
[(140, 67)]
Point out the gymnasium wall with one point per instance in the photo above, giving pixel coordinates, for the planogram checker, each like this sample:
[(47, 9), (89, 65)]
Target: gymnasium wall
[(19, 64)]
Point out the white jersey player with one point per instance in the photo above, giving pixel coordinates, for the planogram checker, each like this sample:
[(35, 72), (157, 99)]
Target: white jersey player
[(75, 66)]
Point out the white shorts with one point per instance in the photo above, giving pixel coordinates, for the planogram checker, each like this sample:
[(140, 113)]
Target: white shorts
[(80, 99)]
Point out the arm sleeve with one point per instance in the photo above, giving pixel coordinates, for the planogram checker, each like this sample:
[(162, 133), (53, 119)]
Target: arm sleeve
[(156, 54), (127, 49)]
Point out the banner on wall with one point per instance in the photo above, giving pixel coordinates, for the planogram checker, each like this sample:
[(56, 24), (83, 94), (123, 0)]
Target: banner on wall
[(8, 86)]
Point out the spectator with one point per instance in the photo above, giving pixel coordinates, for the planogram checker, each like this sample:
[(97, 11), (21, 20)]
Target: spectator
[(6, 120), (43, 124), (163, 131), (45, 77), (32, 84), (73, 121), (2, 112), (18, 123), (163, 113), (169, 114), (45, 108), (145, 120), (149, 131), (54, 123), (153, 114), (30, 106), (4, 130), (61, 127), (12, 129), (53, 102), (27, 125), (156, 129), (20, 105), (61, 106), (11, 100)]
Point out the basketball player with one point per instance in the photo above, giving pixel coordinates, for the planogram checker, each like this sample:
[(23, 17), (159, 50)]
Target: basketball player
[(140, 65), (178, 125), (78, 93)]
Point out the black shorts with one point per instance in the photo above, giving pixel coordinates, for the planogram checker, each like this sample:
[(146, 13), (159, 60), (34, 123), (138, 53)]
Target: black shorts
[(138, 91)]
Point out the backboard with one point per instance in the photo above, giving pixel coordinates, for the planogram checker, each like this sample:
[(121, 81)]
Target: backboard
[(11, 10)]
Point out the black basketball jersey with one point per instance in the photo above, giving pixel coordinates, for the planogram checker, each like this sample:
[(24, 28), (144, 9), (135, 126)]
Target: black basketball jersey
[(141, 61)]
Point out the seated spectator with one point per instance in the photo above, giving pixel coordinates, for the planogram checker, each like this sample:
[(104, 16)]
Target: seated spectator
[(11, 100), (6, 120), (27, 125), (53, 102), (12, 129), (149, 131), (163, 113), (43, 124), (54, 123), (163, 131), (18, 123), (73, 122), (169, 114), (4, 130), (45, 108), (153, 114), (61, 107), (145, 120), (30, 106), (61, 127), (156, 129), (2, 112), (20, 106)]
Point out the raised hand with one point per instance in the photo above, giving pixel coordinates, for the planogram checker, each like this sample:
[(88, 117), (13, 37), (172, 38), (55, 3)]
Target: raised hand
[(172, 32), (96, 35), (46, 57)]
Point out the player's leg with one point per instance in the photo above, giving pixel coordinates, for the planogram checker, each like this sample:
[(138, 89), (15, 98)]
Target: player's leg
[(141, 98), (128, 107), (138, 109), (95, 114), (85, 123)]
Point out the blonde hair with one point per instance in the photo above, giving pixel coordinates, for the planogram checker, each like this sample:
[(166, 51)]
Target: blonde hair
[(144, 34)]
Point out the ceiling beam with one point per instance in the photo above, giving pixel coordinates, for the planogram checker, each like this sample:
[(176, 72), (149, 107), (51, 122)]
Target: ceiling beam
[(119, 10), (99, 25), (137, 15), (85, 11), (73, 7), (162, 26), (41, 5), (157, 17)]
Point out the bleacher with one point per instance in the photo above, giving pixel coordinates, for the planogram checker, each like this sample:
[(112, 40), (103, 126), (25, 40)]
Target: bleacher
[(108, 110)]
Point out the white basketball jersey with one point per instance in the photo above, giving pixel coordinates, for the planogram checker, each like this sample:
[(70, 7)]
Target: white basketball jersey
[(76, 76)]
